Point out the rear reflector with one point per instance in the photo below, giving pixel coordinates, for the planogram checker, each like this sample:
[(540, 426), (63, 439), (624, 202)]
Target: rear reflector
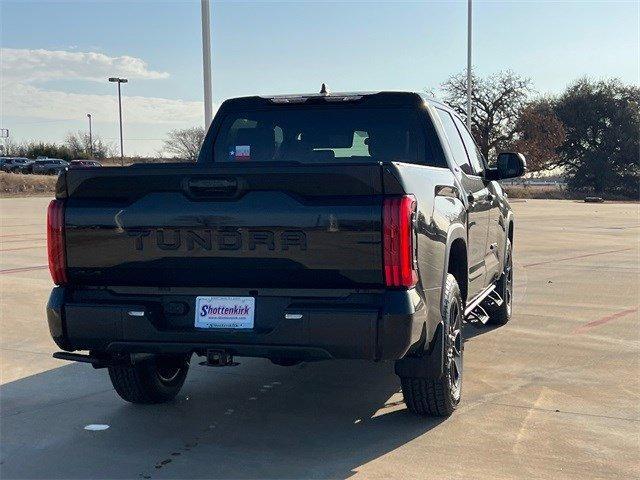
[(55, 242), (398, 241)]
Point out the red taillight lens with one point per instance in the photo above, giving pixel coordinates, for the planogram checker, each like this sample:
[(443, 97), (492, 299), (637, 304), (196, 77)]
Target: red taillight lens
[(55, 242), (398, 241)]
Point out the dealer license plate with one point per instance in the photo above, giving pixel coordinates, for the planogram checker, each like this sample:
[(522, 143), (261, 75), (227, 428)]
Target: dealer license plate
[(225, 312)]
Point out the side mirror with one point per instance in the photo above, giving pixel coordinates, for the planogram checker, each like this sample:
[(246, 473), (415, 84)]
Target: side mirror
[(509, 165)]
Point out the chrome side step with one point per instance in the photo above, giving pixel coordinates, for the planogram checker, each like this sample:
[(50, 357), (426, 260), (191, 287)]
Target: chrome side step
[(495, 298), (475, 311), (479, 314), (476, 301)]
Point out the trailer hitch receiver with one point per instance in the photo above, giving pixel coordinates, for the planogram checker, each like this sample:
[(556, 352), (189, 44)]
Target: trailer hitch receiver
[(219, 358)]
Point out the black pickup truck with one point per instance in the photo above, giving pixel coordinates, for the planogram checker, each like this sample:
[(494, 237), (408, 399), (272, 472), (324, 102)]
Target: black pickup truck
[(312, 227)]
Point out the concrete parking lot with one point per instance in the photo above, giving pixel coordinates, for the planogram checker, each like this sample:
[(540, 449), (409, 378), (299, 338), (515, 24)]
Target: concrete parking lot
[(553, 394)]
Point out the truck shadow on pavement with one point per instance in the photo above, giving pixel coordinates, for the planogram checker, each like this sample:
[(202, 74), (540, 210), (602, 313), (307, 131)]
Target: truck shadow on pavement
[(256, 420), (471, 330)]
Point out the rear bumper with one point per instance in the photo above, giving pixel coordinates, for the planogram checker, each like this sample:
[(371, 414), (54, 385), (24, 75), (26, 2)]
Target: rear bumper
[(382, 325)]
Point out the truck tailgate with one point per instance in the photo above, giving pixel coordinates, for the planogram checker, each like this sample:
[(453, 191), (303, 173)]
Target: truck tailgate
[(302, 226)]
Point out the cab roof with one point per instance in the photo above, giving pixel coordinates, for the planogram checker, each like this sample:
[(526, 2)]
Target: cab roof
[(383, 98)]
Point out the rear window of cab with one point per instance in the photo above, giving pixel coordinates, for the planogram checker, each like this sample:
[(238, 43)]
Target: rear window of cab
[(321, 135)]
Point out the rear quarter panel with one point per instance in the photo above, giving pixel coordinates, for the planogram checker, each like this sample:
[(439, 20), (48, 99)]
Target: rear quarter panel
[(437, 216)]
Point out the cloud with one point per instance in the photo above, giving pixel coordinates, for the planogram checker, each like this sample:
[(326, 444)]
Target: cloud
[(26, 66), (22, 100), (22, 94)]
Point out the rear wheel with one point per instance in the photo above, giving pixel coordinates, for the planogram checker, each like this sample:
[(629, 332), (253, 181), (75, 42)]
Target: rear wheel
[(440, 397), (157, 379), (501, 314)]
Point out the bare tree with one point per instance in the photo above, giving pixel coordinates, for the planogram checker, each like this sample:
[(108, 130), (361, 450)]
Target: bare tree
[(184, 143), (81, 145), (497, 102), (11, 148)]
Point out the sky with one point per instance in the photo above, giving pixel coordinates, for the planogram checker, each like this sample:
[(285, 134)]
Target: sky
[(55, 57)]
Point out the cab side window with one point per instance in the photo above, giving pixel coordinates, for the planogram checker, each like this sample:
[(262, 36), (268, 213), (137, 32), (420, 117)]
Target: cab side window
[(470, 145), (455, 142)]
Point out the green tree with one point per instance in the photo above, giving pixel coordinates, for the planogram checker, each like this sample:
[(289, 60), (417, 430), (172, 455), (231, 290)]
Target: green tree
[(602, 123), (33, 149)]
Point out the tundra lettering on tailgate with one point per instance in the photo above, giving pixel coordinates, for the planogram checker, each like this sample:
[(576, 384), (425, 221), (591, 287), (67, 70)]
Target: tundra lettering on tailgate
[(209, 239)]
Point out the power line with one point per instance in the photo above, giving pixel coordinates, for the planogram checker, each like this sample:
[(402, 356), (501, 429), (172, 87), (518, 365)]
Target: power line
[(127, 138)]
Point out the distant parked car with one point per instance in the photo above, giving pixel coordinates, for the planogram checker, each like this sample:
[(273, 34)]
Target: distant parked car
[(84, 163), (15, 164), (48, 166)]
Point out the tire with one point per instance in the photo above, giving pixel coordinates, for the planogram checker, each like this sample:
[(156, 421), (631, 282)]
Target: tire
[(500, 315), (156, 380), (440, 397)]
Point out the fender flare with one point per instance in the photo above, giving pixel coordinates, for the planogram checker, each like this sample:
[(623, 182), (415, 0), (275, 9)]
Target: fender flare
[(456, 231), (507, 224)]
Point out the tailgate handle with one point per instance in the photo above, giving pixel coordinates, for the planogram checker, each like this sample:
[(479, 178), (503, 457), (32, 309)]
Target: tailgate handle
[(212, 187)]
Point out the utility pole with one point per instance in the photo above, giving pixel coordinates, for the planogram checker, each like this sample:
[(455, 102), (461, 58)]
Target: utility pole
[(90, 136), (119, 81), (469, 64), (206, 62)]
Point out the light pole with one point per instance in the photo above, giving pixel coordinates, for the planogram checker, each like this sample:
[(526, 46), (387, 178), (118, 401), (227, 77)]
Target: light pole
[(90, 136), (206, 62), (119, 81), (469, 65)]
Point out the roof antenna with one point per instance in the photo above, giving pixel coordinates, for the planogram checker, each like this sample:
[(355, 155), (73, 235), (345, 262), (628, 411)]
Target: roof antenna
[(323, 90)]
